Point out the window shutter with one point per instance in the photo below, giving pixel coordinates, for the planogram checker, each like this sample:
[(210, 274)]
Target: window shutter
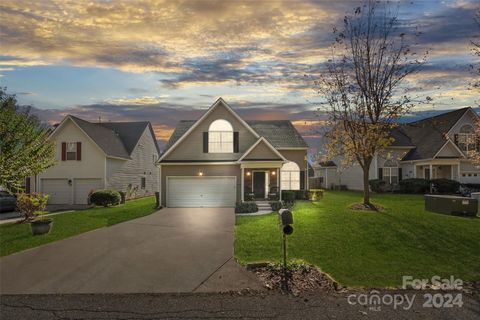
[(302, 180), (399, 174), (64, 151), (205, 142), (28, 185), (455, 138), (79, 151), (477, 146), (236, 147), (380, 173)]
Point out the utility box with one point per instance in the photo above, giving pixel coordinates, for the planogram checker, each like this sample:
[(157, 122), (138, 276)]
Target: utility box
[(453, 205), (476, 195)]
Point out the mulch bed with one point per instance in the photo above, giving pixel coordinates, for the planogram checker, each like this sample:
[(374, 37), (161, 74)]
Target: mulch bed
[(302, 278)]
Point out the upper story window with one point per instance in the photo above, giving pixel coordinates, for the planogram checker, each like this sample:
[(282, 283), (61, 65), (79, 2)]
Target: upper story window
[(466, 139), (220, 137), (290, 176), (71, 151)]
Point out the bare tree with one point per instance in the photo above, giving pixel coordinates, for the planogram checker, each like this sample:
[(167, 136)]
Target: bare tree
[(475, 155), (363, 84)]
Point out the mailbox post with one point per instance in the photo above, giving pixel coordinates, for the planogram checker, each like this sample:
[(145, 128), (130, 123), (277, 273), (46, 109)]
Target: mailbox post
[(285, 218)]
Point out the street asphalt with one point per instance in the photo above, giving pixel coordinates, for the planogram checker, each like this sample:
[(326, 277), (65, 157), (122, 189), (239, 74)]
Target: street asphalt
[(216, 306)]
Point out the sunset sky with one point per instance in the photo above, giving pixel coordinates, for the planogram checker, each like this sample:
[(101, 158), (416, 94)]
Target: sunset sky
[(164, 61)]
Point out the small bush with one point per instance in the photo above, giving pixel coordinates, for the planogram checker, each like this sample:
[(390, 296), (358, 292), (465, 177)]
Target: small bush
[(301, 194), (378, 185), (315, 194), (445, 185), (30, 204), (276, 205), (288, 195), (105, 197), (414, 185), (246, 207)]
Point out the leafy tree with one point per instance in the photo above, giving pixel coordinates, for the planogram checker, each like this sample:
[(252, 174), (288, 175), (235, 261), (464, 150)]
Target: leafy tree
[(24, 146), (362, 85)]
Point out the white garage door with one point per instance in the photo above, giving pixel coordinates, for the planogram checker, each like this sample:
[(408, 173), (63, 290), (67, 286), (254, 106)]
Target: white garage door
[(58, 190), (201, 192), (82, 188)]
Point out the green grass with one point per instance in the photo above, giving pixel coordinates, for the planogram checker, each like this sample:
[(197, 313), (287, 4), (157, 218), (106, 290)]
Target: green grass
[(367, 249), (18, 237)]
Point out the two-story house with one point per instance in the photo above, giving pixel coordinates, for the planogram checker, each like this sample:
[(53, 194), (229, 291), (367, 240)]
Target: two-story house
[(435, 147), (91, 156), (221, 159)]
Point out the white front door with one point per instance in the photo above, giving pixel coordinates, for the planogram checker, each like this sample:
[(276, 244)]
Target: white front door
[(201, 191), (82, 187), (58, 190)]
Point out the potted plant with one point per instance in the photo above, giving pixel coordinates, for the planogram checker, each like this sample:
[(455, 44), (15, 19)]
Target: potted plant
[(31, 206)]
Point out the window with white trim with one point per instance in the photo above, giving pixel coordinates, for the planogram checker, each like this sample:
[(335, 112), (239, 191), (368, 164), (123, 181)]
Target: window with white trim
[(290, 176), (71, 151), (467, 139), (390, 171), (220, 137)]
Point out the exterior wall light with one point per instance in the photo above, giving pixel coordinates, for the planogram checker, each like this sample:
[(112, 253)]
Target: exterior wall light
[(200, 173), (248, 173), (273, 173)]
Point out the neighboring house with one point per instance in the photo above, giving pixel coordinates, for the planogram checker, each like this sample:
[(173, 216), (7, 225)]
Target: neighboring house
[(90, 156), (431, 148), (221, 159)]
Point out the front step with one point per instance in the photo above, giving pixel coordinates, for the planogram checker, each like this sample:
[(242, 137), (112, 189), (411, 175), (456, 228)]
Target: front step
[(263, 206)]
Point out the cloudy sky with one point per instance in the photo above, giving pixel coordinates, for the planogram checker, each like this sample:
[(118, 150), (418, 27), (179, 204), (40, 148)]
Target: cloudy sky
[(164, 61)]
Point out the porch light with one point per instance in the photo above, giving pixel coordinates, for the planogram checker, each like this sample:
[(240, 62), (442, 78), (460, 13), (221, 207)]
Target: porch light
[(200, 173), (273, 173), (248, 173)]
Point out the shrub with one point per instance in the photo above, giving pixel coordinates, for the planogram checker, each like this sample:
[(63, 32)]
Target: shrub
[(315, 194), (246, 207), (29, 204), (378, 185), (301, 194), (288, 195), (414, 185), (276, 205), (445, 185), (105, 197)]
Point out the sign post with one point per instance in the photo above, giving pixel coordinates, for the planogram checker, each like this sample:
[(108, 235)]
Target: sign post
[(286, 220)]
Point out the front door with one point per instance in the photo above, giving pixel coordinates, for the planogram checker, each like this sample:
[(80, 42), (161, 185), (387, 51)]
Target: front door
[(259, 184)]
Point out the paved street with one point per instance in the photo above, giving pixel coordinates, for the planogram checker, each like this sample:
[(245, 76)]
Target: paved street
[(214, 306)]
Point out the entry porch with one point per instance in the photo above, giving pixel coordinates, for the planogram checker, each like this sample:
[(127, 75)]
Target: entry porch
[(261, 181)]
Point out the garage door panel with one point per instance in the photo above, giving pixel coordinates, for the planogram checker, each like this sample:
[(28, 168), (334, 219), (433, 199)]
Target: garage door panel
[(58, 190), (82, 187), (201, 191)]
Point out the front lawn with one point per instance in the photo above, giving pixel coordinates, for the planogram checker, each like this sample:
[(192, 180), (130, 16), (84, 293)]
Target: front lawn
[(367, 249), (17, 237)]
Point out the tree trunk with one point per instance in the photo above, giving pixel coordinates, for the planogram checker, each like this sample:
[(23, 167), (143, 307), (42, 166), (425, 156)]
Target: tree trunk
[(366, 186)]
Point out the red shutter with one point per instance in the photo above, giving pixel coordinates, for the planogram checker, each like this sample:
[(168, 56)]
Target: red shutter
[(64, 151), (79, 151)]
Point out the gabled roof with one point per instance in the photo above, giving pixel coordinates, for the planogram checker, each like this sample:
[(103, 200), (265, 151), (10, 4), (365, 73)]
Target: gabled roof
[(115, 139), (279, 133), (429, 135), (260, 141)]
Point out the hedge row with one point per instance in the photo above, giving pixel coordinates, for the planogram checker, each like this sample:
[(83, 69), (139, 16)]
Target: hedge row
[(417, 185)]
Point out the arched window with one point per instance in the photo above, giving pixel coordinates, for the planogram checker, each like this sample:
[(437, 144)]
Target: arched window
[(390, 171), (466, 138), (290, 174), (220, 137)]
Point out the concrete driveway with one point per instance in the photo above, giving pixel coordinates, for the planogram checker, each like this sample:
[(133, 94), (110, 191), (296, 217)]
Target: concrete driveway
[(172, 250)]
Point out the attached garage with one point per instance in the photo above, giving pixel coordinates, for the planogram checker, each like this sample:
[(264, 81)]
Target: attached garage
[(201, 191), (82, 188), (58, 190)]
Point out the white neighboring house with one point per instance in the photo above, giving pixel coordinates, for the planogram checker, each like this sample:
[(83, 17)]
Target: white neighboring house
[(91, 156), (431, 148)]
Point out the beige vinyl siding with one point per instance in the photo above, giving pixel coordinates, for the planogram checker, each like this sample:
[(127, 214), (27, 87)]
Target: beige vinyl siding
[(193, 170), (261, 152), (126, 175), (191, 148), (92, 164)]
